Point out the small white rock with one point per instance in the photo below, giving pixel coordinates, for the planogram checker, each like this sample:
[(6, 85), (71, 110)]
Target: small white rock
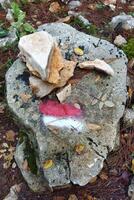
[(119, 40), (98, 65), (64, 93), (37, 49)]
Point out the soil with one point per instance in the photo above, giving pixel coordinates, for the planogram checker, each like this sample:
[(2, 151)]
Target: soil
[(116, 175)]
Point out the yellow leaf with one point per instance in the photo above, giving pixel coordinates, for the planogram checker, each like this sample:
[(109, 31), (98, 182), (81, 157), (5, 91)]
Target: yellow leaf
[(132, 166), (78, 51), (48, 164), (79, 148), (130, 92)]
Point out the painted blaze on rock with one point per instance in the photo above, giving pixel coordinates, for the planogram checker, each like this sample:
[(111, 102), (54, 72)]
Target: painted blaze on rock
[(101, 98)]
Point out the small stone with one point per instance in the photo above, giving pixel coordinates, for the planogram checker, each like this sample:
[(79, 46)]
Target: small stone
[(78, 51), (119, 40), (64, 93), (14, 165), (9, 16), (128, 118), (109, 104), (126, 20), (74, 4), (40, 88), (5, 145), (54, 7), (131, 189), (108, 2), (36, 48), (38, 23), (84, 20), (98, 65)]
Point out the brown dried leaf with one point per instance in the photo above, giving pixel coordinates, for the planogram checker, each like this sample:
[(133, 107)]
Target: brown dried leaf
[(93, 127), (65, 19), (25, 165), (103, 176), (2, 109), (132, 166), (10, 135), (72, 197), (54, 7), (25, 97)]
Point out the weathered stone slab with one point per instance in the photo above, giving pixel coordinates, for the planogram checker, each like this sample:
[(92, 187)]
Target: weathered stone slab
[(102, 99)]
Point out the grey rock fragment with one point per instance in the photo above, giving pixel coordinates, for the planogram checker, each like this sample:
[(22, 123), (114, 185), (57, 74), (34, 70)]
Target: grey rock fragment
[(131, 189), (126, 20), (5, 3), (8, 40), (74, 4), (129, 118), (59, 144)]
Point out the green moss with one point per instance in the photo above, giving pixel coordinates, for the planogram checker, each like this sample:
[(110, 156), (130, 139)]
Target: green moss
[(129, 48), (29, 152)]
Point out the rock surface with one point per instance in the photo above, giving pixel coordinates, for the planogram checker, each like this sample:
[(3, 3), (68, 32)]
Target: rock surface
[(102, 99), (9, 39), (126, 20), (129, 118), (131, 189)]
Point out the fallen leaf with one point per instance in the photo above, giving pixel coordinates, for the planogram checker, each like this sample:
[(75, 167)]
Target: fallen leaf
[(7, 160), (78, 51), (10, 135), (89, 197), (72, 197), (132, 166), (65, 19), (130, 92), (2, 107), (25, 165), (98, 65), (94, 127), (63, 93), (54, 7), (103, 176), (25, 97), (79, 148), (48, 164), (93, 180)]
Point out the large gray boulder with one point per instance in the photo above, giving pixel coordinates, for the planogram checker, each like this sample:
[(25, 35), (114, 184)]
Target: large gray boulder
[(102, 99)]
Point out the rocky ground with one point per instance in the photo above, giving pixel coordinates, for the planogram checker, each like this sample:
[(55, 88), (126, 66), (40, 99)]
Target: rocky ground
[(114, 180)]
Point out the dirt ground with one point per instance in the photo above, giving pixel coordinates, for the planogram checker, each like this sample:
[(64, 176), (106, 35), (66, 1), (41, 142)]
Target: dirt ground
[(116, 175)]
